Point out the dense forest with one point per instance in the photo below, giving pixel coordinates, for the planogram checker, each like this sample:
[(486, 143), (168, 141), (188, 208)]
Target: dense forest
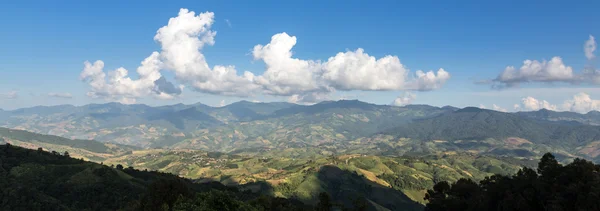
[(553, 186)]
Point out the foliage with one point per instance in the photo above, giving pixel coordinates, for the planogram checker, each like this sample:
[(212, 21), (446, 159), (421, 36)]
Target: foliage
[(575, 186), (39, 180)]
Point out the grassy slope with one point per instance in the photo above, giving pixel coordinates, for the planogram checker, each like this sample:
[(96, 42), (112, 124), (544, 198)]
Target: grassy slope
[(343, 176)]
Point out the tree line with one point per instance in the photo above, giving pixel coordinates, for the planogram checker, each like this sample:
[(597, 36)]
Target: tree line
[(552, 187)]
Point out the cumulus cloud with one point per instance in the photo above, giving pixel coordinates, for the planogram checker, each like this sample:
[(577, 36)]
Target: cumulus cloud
[(589, 47), (65, 95), (581, 103), (405, 99), (118, 86), (222, 103), (554, 70), (535, 71), (517, 107), (302, 81), (498, 108), (482, 106), (309, 98), (10, 95), (286, 75), (532, 104), (356, 70)]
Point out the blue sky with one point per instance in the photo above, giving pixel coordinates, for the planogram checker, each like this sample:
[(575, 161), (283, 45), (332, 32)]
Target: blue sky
[(44, 44)]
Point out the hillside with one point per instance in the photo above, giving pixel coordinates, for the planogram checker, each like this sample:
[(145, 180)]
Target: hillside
[(323, 129), (590, 118), (389, 182), (88, 149), (506, 133), (235, 126), (38, 180)]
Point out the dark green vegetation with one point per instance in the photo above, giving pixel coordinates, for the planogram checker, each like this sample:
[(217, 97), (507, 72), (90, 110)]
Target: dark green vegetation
[(38, 180), (575, 186)]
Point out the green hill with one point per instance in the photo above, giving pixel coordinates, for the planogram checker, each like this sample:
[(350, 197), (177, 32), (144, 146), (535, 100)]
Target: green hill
[(389, 182), (89, 149), (37, 180), (239, 122), (474, 128)]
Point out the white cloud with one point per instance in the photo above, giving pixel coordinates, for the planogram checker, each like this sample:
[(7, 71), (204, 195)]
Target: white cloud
[(535, 71), (351, 70), (532, 104), (228, 22), (10, 95), (60, 95), (125, 100), (309, 98), (356, 70), (118, 86), (498, 108), (581, 103), (494, 107), (303, 81), (286, 75), (589, 47), (405, 99), (553, 70), (222, 103), (182, 40), (516, 107)]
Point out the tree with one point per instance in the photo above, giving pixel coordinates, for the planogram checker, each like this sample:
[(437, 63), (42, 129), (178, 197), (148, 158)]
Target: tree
[(575, 186), (66, 154), (360, 204), (119, 166), (164, 192), (548, 167), (324, 203)]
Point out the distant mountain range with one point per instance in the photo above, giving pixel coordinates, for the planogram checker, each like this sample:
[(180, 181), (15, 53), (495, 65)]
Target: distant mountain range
[(330, 127)]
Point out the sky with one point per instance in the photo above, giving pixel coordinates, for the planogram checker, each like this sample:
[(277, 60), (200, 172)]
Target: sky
[(504, 55)]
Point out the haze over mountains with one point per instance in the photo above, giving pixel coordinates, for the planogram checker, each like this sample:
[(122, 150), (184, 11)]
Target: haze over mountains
[(330, 127)]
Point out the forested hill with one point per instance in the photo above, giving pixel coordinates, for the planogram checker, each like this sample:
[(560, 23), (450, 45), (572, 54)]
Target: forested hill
[(477, 124), (502, 133), (37, 180)]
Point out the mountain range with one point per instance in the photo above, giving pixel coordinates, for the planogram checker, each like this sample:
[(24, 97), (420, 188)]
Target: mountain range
[(389, 155), (330, 127)]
